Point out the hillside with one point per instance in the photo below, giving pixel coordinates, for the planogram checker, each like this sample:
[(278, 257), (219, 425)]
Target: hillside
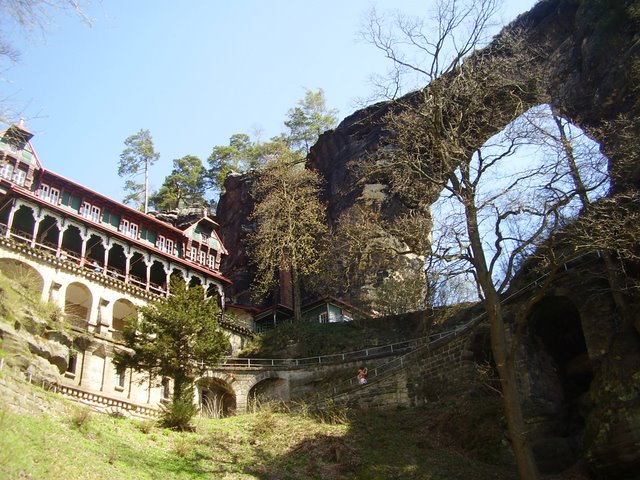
[(410, 444)]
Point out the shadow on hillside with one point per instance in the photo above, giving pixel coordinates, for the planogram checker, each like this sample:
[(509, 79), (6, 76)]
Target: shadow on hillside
[(421, 444)]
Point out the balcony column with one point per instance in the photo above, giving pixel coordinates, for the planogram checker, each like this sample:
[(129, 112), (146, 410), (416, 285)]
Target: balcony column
[(167, 277), (83, 249), (148, 263), (127, 266), (36, 225), (12, 212), (61, 230), (107, 248)]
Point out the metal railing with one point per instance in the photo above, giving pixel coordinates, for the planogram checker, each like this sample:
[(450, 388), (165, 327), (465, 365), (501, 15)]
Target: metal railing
[(398, 348)]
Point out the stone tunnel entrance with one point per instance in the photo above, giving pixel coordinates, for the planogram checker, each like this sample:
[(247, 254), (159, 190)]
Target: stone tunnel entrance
[(216, 398), (268, 390), (563, 376)]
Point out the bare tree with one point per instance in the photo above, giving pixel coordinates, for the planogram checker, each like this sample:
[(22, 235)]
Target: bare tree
[(435, 134), (290, 225)]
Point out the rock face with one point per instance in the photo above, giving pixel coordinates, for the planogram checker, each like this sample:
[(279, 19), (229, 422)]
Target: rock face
[(234, 208), (589, 55)]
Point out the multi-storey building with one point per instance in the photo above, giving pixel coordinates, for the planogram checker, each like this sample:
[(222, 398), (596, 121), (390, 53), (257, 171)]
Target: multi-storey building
[(97, 259)]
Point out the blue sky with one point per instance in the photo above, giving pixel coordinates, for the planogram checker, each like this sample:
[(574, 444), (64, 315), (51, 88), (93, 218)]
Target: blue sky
[(192, 73)]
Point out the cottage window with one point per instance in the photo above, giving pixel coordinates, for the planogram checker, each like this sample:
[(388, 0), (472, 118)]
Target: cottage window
[(49, 194), (43, 193), (193, 254), (170, 246), (212, 262), (19, 176), (203, 258), (90, 212), (323, 317), (7, 171), (54, 196), (129, 229), (161, 243)]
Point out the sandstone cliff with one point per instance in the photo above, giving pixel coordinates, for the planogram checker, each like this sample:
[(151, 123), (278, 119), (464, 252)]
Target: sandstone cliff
[(586, 68)]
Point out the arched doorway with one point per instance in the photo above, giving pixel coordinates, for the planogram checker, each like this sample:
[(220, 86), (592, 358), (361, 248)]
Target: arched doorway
[(122, 309), (565, 373), (265, 391), (216, 398), (77, 304)]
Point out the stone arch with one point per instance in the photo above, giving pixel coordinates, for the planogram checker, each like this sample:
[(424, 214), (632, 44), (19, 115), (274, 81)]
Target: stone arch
[(122, 309), (77, 304), (563, 373), (216, 397), (26, 275), (267, 387)]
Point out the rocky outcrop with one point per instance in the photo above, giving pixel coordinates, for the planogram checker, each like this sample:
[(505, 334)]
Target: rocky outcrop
[(32, 347), (232, 214), (585, 64)]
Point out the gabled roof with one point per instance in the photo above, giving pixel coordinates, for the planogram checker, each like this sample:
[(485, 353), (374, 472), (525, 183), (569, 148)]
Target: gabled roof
[(206, 219)]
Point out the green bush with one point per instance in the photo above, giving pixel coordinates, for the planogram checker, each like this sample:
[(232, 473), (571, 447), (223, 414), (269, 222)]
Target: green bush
[(178, 413)]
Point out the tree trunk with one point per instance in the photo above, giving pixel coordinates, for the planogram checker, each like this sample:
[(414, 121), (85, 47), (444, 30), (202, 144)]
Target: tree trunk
[(511, 396), (499, 346), (297, 307)]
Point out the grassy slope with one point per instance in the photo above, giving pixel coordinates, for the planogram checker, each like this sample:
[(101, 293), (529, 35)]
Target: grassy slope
[(403, 444)]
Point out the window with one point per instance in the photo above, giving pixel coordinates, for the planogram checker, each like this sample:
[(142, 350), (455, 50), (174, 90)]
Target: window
[(203, 258), (161, 243), (120, 378), (19, 176), (212, 262), (165, 390), (323, 317), (170, 246), (44, 192), (72, 364), (129, 229), (49, 194), (90, 212), (193, 253), (7, 171), (54, 196)]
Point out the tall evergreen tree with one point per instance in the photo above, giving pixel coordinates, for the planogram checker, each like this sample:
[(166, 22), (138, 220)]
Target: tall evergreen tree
[(135, 161), (184, 187), (309, 120), (177, 337)]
